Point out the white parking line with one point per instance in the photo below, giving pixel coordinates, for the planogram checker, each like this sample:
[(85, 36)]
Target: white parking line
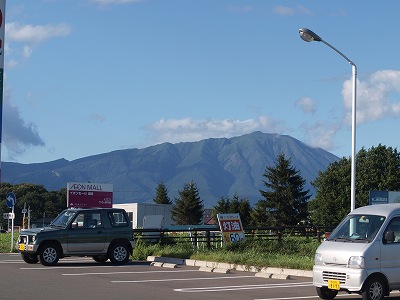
[(72, 267), (127, 272), (307, 297), (179, 279), (242, 287), (12, 261), (316, 297), (293, 298)]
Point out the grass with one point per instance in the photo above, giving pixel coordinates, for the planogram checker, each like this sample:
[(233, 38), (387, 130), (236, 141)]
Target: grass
[(291, 252), (5, 242)]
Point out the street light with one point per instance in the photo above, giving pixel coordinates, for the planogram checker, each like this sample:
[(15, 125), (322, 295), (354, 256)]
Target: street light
[(309, 36)]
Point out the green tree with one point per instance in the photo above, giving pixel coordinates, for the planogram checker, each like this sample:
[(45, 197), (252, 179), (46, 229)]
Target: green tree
[(236, 205), (162, 194), (188, 207), (285, 200), (376, 169), (258, 214), (34, 197)]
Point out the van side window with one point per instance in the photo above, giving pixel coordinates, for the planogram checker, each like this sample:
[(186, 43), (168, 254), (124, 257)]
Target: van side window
[(392, 232)]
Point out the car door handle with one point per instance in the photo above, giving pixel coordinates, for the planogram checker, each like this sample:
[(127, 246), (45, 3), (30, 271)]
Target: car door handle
[(100, 232)]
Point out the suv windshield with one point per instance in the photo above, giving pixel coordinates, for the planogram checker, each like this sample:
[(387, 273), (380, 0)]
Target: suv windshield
[(63, 219), (357, 228)]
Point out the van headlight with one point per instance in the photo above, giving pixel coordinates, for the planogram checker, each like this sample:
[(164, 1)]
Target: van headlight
[(356, 262), (318, 259)]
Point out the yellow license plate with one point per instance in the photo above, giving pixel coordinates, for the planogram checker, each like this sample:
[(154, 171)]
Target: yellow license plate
[(333, 284), (22, 247)]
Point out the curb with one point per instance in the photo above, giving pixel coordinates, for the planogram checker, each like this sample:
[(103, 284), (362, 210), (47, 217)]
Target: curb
[(216, 267)]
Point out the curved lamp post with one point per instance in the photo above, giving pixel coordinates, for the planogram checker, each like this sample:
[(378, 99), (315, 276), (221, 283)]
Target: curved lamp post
[(309, 36)]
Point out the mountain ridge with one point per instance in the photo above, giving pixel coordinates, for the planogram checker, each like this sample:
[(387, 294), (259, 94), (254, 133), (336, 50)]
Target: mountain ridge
[(220, 167)]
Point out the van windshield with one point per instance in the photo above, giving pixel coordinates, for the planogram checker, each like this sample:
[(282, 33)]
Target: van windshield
[(357, 228)]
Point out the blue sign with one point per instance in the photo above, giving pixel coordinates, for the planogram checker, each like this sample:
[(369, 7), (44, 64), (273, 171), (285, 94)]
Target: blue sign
[(11, 199), (378, 197)]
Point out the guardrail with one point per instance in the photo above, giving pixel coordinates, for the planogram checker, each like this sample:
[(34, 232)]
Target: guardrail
[(210, 237)]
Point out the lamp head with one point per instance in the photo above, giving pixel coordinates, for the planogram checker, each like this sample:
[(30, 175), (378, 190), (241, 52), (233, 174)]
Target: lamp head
[(308, 36)]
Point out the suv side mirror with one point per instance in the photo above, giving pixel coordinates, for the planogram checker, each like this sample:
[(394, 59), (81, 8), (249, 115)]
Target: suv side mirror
[(389, 237), (74, 225)]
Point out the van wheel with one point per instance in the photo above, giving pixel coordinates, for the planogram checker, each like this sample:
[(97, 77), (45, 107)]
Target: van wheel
[(325, 293), (374, 289), (49, 254), (100, 258), (29, 258), (119, 254)]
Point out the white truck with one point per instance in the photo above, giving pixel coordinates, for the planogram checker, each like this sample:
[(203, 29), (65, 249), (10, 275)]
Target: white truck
[(362, 255)]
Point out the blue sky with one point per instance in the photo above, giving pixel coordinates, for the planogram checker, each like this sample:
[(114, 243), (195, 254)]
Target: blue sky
[(85, 77)]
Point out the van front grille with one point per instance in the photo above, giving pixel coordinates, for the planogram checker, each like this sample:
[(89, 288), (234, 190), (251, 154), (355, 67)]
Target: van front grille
[(334, 275)]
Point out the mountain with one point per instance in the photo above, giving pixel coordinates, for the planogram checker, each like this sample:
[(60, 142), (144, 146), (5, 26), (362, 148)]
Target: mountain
[(218, 166)]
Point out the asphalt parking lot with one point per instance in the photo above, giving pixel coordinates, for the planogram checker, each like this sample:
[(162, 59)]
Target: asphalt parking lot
[(82, 278)]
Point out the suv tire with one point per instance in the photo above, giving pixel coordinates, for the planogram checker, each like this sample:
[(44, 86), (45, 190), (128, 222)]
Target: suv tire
[(30, 258), (49, 254), (119, 254)]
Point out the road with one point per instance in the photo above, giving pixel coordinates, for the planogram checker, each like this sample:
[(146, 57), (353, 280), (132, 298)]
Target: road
[(82, 278)]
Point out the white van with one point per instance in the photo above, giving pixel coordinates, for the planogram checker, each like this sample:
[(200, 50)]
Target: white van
[(362, 255)]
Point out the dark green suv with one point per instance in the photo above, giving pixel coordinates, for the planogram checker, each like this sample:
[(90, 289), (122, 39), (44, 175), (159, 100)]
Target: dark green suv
[(102, 233)]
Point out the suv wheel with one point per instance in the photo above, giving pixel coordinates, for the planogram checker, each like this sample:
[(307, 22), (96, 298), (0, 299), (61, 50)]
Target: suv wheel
[(29, 258), (49, 254), (119, 254)]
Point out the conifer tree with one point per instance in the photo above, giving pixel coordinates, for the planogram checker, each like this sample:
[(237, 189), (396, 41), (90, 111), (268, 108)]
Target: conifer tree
[(285, 200), (162, 194), (236, 205), (188, 207)]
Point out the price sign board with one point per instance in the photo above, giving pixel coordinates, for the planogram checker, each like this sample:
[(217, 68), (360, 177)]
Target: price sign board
[(231, 227)]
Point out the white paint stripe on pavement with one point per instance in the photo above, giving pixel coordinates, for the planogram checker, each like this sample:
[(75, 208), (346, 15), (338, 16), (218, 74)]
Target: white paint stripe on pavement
[(316, 297), (179, 279), (71, 267), (242, 287), (12, 261), (127, 272), (308, 297)]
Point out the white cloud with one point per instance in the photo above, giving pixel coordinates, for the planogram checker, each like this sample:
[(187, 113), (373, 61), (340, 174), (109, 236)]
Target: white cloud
[(290, 11), (307, 105), (240, 8), (12, 63), (188, 130), (18, 136), (27, 51), (33, 35), (378, 97), (321, 135), (284, 10), (97, 118)]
